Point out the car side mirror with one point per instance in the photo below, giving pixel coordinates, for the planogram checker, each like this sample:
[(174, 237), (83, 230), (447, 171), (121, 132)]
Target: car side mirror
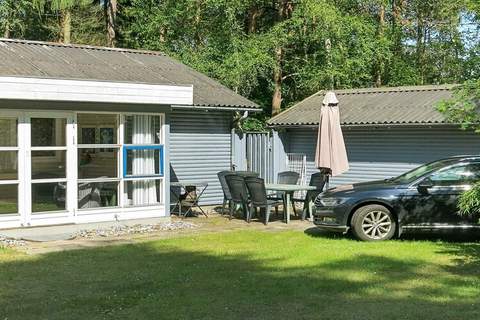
[(424, 185)]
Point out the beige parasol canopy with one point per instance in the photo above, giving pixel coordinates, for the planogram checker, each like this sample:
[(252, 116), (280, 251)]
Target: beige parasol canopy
[(331, 151)]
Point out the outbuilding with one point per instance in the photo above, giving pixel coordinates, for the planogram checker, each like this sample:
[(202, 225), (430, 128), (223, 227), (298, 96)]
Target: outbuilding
[(387, 131), (96, 134)]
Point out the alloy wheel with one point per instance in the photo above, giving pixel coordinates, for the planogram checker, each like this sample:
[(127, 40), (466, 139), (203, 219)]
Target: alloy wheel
[(376, 224)]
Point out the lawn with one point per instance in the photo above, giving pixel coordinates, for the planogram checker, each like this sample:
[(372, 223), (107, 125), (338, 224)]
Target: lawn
[(246, 275)]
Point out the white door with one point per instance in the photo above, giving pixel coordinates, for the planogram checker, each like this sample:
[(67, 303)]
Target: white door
[(49, 174)]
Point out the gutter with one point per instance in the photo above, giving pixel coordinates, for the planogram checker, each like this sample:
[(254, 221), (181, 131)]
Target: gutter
[(367, 125), (221, 108)]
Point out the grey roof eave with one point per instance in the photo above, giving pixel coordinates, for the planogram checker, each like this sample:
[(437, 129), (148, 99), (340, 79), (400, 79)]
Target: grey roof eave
[(366, 125), (218, 107)]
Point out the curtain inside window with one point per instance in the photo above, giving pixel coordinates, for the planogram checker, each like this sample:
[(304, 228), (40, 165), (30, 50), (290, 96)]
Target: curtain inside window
[(144, 192)]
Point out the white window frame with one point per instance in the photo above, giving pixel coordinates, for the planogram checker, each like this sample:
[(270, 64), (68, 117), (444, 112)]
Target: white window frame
[(15, 218), (25, 217)]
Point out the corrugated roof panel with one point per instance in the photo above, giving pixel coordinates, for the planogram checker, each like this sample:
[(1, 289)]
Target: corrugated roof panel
[(50, 60), (400, 105)]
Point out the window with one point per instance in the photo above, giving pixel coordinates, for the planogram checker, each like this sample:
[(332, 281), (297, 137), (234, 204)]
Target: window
[(458, 175), (48, 164), (8, 166), (120, 160), (143, 160), (98, 160)]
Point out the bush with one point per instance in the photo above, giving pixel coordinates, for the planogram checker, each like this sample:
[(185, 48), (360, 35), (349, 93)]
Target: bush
[(469, 202)]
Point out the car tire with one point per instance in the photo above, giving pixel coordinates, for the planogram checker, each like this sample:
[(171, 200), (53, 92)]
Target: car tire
[(373, 223)]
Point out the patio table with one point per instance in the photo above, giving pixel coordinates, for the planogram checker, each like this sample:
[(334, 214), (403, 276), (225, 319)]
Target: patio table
[(287, 190), (198, 188)]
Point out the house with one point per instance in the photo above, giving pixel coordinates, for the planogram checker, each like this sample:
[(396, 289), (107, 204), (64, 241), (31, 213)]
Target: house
[(387, 131), (96, 134)]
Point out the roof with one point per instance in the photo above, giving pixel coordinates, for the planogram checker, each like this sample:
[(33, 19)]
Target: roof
[(22, 58), (373, 106)]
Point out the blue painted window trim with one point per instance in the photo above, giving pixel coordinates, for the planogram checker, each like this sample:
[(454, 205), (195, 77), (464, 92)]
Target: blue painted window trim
[(145, 147)]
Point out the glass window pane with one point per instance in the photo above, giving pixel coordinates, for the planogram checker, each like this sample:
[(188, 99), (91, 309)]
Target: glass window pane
[(141, 163), (460, 175), (8, 165), (97, 128), (143, 193), (48, 132), (48, 167), (8, 198), (142, 129), (97, 163), (97, 194), (48, 196), (8, 132)]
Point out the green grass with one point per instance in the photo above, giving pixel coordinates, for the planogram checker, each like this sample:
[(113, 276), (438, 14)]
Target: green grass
[(246, 275)]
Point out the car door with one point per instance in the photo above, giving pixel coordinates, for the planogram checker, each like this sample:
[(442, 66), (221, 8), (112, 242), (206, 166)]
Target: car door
[(434, 199)]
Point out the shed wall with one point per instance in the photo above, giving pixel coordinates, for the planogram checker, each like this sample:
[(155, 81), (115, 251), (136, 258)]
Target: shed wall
[(200, 146), (379, 153)]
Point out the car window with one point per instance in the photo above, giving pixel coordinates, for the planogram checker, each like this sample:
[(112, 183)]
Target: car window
[(458, 175), (418, 172)]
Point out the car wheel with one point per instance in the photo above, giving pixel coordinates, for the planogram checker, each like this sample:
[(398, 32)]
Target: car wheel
[(373, 223)]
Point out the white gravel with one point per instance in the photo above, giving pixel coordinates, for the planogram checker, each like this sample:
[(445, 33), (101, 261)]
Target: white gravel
[(120, 230), (8, 242)]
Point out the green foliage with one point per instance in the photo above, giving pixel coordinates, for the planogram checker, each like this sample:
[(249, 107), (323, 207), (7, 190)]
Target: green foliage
[(469, 202), (255, 123), (58, 5), (373, 42), (464, 107)]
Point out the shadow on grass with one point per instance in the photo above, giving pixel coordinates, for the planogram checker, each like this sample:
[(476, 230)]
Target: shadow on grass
[(163, 280), (319, 233)]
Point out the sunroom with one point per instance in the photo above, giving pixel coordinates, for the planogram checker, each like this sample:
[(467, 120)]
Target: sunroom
[(101, 157)]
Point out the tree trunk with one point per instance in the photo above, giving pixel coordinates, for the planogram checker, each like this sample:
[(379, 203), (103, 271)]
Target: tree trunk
[(253, 14), (66, 25), (398, 7), (110, 20), (381, 33), (284, 11), (196, 23), (277, 82), (420, 48), (6, 33)]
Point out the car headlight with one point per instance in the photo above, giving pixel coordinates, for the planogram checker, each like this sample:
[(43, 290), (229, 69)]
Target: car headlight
[(331, 202)]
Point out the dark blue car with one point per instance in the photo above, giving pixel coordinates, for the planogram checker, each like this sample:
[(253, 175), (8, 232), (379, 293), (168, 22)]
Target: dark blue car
[(425, 198)]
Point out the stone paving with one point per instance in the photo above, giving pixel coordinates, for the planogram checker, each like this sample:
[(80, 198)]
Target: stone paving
[(176, 228)]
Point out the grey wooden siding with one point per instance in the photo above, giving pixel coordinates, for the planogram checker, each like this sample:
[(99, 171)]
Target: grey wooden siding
[(385, 152), (200, 146)]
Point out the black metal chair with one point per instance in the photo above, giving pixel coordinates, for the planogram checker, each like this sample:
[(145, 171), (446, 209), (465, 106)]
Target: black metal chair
[(258, 198), (239, 194), (227, 196), (317, 180), (288, 177)]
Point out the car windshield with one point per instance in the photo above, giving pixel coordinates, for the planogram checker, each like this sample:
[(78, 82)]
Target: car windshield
[(416, 173)]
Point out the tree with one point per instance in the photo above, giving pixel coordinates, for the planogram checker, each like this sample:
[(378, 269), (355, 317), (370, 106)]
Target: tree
[(64, 7), (464, 107), (13, 13)]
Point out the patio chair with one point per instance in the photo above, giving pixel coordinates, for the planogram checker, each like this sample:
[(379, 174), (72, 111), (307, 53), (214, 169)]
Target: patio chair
[(288, 177), (227, 196), (285, 177), (258, 198), (317, 180), (239, 194)]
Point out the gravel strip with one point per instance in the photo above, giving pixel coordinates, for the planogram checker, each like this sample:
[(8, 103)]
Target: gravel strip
[(120, 230), (9, 243)]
